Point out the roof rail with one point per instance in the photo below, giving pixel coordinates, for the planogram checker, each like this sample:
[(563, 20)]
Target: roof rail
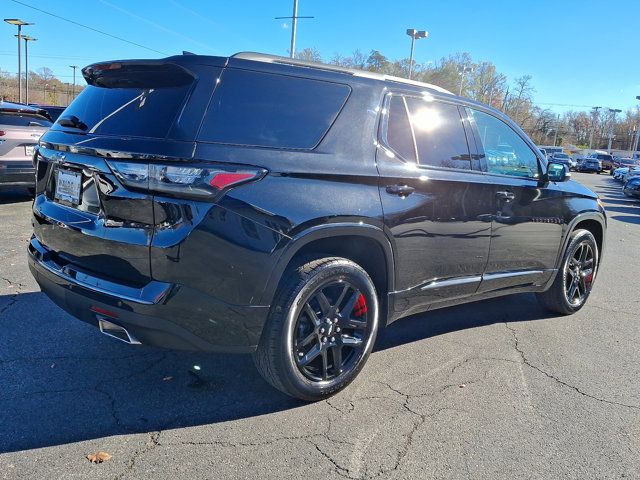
[(263, 57)]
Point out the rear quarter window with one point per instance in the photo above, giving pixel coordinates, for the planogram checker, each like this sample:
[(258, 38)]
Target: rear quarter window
[(271, 110)]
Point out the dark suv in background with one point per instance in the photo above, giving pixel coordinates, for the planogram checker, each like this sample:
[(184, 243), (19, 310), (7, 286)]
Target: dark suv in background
[(291, 209)]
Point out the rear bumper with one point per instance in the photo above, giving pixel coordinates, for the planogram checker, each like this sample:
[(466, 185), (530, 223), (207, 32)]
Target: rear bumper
[(16, 172), (159, 314)]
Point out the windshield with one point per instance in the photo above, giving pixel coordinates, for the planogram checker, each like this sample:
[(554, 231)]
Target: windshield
[(561, 155), (23, 120)]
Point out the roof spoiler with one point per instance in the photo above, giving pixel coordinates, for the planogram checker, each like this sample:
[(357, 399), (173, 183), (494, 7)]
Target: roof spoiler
[(137, 74)]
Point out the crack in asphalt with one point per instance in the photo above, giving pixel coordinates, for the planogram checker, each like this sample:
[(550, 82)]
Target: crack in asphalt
[(152, 442), (13, 298), (526, 361)]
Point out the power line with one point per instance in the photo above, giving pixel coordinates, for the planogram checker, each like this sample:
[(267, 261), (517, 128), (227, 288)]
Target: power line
[(88, 27)]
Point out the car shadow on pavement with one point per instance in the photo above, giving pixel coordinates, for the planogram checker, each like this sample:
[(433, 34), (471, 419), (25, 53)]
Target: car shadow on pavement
[(14, 195), (62, 381)]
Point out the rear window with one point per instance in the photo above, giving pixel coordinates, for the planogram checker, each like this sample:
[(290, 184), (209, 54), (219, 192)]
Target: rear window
[(23, 120), (269, 110), (136, 112)]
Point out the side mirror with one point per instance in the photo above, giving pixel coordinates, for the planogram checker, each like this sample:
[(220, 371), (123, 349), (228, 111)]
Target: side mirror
[(557, 172)]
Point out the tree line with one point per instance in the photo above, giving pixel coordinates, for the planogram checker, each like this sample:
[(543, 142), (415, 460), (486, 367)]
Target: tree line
[(481, 81), (44, 87)]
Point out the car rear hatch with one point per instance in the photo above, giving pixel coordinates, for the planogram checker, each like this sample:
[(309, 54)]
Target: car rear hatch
[(19, 134), (93, 211)]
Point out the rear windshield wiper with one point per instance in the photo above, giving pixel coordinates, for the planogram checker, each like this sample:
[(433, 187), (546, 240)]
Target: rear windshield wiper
[(73, 122)]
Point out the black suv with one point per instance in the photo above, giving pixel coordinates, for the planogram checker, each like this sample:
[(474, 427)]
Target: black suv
[(261, 204)]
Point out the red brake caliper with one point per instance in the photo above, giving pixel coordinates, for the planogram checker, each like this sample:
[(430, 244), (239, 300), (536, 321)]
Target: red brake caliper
[(360, 308)]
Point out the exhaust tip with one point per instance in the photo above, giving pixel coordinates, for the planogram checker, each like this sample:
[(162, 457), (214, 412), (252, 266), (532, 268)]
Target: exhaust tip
[(116, 331)]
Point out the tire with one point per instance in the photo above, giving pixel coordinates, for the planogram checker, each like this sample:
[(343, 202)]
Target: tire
[(557, 297), (303, 334), (32, 191)]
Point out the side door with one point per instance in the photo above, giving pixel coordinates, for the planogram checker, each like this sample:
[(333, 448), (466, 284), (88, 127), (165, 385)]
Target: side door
[(528, 215), (436, 208)]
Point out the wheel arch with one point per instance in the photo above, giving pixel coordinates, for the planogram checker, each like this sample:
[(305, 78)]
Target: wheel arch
[(349, 240), (593, 221)]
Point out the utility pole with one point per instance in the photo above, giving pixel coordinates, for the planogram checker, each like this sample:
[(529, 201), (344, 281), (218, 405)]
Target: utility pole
[(415, 35), (74, 81), (594, 115), (294, 27), (555, 135)]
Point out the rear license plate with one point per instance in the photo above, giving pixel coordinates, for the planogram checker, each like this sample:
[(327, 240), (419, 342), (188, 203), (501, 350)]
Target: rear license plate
[(68, 186), (28, 150)]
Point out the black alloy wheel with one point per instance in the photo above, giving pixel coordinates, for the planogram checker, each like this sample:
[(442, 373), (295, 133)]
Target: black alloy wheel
[(579, 271), (330, 331), (574, 281), (321, 328)]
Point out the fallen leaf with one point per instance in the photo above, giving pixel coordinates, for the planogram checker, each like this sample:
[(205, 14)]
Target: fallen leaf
[(98, 457), (167, 379), (462, 385)]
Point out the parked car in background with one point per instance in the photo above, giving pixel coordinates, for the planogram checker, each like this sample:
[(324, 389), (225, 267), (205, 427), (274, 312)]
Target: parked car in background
[(182, 202), (606, 160), (619, 172), (631, 172), (622, 163), (632, 188), (54, 111), (589, 165), (21, 126), (543, 151), (549, 151), (564, 159)]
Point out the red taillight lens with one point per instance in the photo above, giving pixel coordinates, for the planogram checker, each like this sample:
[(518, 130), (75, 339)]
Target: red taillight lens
[(1, 133), (184, 180), (224, 180)]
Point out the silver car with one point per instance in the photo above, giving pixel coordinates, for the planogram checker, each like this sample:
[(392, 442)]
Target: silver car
[(21, 126)]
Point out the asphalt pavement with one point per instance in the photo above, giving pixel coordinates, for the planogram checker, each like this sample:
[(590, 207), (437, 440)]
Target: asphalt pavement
[(493, 390)]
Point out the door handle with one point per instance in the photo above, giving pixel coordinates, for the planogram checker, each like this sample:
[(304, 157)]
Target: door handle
[(400, 190), (505, 196)]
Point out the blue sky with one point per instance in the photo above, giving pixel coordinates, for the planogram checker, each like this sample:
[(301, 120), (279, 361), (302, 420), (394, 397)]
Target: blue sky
[(579, 52)]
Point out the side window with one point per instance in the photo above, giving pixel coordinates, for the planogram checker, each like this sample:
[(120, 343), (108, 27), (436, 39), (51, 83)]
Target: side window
[(399, 136), (505, 151), (439, 134), (270, 110)]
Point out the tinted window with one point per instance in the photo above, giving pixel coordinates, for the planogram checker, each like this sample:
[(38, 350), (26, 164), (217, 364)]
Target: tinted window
[(505, 151), (439, 134), (399, 136), (23, 120), (268, 110), (136, 112)]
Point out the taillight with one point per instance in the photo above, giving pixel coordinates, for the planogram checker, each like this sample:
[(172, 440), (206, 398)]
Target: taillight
[(2, 133), (198, 181)]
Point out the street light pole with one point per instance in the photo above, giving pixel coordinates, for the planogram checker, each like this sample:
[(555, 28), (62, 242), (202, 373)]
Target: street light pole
[(19, 23), (594, 114), (415, 35), (555, 135), (613, 112), (464, 70), (635, 142), (26, 39)]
